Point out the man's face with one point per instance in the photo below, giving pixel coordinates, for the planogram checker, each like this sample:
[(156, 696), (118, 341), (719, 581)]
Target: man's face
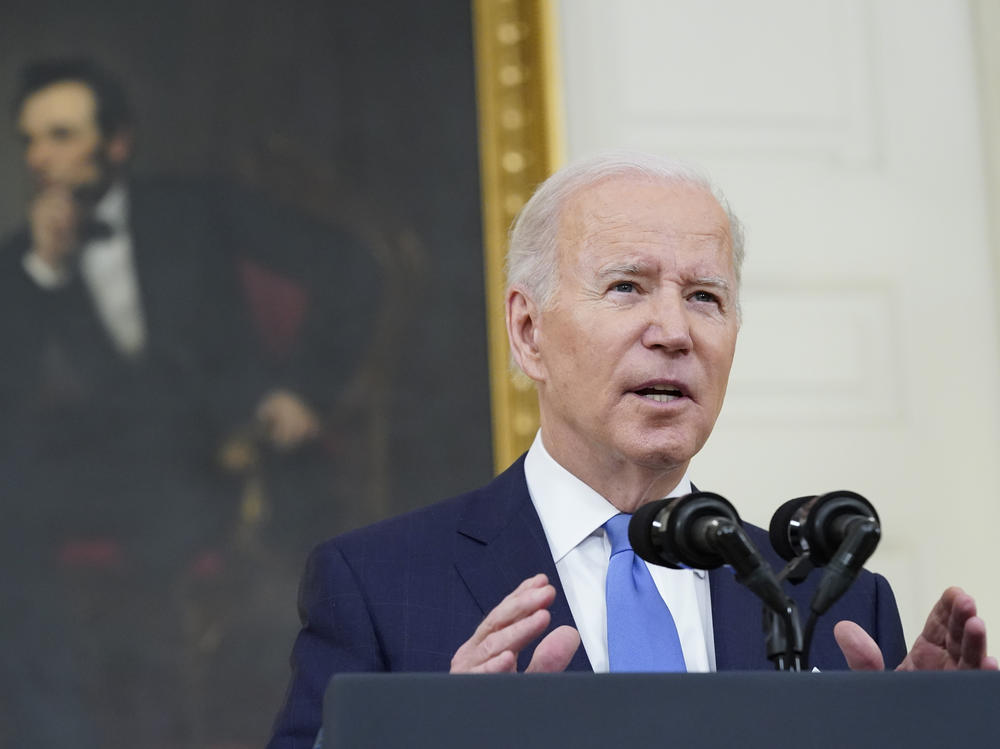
[(635, 348), (63, 144)]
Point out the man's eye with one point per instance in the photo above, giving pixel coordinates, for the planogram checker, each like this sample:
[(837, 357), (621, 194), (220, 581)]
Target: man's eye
[(625, 287), (705, 296)]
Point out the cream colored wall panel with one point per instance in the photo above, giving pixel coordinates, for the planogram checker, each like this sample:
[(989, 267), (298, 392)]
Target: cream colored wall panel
[(801, 86), (822, 354)]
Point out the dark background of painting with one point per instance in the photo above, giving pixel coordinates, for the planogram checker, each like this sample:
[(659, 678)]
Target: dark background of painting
[(360, 115)]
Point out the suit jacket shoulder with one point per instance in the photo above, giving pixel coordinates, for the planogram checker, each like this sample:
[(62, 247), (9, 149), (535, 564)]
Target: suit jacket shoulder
[(404, 594)]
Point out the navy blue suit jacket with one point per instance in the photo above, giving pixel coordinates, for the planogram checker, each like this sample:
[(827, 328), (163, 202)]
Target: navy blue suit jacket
[(404, 594)]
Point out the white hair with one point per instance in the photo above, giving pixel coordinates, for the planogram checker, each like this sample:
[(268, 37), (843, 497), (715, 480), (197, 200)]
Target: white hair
[(532, 254)]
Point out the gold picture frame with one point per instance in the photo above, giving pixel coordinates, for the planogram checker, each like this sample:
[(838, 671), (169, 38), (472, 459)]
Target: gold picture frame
[(520, 144)]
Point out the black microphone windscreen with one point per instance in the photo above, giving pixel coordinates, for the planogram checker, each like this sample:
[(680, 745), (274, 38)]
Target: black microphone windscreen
[(640, 531), (778, 530)]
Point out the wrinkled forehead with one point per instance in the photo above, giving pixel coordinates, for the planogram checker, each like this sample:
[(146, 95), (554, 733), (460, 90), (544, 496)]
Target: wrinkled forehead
[(626, 212)]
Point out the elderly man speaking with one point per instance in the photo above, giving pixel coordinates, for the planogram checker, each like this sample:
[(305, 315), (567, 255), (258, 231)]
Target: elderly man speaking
[(623, 307)]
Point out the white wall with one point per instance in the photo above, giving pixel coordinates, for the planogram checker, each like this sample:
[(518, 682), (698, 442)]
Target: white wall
[(846, 134)]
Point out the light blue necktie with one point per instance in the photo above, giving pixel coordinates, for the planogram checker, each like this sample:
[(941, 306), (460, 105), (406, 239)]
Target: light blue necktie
[(642, 635)]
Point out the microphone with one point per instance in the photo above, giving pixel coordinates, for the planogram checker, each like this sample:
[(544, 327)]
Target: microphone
[(817, 526), (702, 530), (781, 533), (673, 532), (839, 530), (798, 567)]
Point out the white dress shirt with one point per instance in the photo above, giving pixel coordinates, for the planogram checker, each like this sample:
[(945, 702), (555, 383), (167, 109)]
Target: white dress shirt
[(572, 516), (107, 268)]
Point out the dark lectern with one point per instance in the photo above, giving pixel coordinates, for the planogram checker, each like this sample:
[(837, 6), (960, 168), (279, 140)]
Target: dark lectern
[(608, 711)]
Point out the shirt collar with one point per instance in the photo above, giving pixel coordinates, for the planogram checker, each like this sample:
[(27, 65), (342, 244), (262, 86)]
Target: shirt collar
[(112, 208), (569, 509)]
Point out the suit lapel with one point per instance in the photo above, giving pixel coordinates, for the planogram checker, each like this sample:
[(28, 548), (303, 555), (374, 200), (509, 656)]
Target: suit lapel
[(146, 246), (174, 243), (156, 233), (501, 543)]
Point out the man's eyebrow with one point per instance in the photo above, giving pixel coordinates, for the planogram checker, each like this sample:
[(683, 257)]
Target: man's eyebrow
[(621, 269), (717, 282)]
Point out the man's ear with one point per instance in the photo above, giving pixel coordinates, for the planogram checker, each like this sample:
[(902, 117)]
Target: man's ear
[(119, 148), (523, 318)]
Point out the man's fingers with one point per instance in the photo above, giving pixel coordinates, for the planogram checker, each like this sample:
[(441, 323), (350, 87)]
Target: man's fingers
[(517, 620), (531, 595), (554, 653), (54, 217), (501, 663), (954, 627), (512, 638), (860, 650), (962, 608), (952, 638), (973, 643), (535, 581)]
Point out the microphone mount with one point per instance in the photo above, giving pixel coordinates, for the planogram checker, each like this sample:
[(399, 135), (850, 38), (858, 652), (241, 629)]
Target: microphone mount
[(703, 531)]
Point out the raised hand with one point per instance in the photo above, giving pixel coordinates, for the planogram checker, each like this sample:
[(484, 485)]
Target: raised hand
[(54, 218), (518, 620), (954, 637)]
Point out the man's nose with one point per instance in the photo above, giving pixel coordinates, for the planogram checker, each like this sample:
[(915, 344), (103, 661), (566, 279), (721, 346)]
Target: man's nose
[(668, 326)]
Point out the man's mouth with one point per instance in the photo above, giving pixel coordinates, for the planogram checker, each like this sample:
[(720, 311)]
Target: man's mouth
[(660, 393)]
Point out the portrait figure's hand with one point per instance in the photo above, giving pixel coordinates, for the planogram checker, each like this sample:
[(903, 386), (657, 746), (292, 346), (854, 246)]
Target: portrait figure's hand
[(288, 420), (54, 218)]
